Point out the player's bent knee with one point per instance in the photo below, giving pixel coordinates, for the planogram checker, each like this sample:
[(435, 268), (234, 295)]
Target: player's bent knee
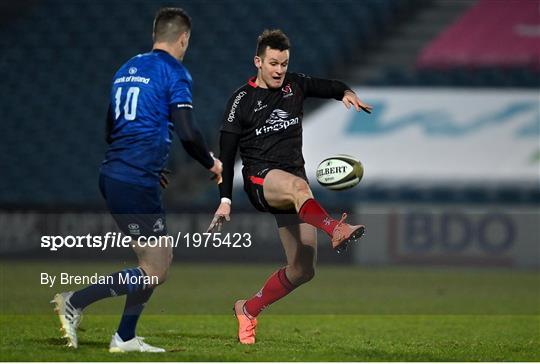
[(300, 188)]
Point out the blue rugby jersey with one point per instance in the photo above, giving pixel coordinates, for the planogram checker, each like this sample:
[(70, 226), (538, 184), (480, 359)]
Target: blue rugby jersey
[(142, 91)]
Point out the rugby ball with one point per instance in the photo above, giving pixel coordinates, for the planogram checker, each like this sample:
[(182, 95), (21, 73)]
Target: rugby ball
[(339, 172)]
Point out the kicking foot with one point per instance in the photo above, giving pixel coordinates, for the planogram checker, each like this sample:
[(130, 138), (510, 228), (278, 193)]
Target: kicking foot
[(137, 344), (246, 325), (70, 317), (344, 234)]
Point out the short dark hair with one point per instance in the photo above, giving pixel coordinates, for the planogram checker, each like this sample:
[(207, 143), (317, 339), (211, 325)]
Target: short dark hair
[(169, 23), (274, 38)]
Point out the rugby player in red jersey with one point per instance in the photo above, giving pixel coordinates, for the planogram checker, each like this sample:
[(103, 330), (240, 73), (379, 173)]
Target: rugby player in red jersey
[(264, 120)]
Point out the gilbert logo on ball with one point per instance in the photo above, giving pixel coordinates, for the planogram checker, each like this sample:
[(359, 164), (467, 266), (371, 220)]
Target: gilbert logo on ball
[(340, 172)]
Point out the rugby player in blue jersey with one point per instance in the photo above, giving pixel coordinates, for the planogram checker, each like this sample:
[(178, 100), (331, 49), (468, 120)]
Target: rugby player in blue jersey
[(150, 97)]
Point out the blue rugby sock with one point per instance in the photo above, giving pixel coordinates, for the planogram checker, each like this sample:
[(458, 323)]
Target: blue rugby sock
[(135, 303), (119, 284)]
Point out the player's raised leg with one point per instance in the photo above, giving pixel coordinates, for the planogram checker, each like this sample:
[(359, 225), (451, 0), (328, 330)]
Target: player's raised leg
[(300, 244), (283, 190)]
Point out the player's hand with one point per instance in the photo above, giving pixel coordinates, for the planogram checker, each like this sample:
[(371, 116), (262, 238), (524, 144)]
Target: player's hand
[(163, 179), (350, 99), (217, 169), (223, 213)]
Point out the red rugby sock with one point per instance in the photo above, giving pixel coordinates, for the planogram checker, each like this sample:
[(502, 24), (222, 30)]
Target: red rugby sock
[(313, 213), (276, 287)]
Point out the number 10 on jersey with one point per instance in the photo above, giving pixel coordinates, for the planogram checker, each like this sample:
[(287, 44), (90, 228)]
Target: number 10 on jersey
[(130, 104)]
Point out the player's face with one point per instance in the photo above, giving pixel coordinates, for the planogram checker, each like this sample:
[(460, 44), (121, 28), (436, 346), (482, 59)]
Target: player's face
[(272, 67)]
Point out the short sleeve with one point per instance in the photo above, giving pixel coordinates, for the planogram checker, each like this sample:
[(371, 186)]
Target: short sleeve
[(232, 119), (180, 87)]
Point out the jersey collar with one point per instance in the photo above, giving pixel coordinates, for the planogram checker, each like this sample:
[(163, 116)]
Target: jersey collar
[(252, 83), (165, 52)]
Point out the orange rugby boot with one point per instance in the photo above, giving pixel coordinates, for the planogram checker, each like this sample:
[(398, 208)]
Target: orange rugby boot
[(246, 325), (344, 234)]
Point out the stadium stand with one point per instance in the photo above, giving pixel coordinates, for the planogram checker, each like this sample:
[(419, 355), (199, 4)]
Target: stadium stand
[(489, 44)]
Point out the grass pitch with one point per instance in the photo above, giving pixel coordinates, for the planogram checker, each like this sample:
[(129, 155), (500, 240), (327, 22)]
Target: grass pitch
[(346, 314)]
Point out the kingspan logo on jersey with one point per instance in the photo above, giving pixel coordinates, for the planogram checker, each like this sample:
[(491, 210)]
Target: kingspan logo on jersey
[(278, 120)]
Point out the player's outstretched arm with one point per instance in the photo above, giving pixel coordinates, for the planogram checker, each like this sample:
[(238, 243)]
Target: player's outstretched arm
[(330, 89), (228, 144), (351, 99)]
